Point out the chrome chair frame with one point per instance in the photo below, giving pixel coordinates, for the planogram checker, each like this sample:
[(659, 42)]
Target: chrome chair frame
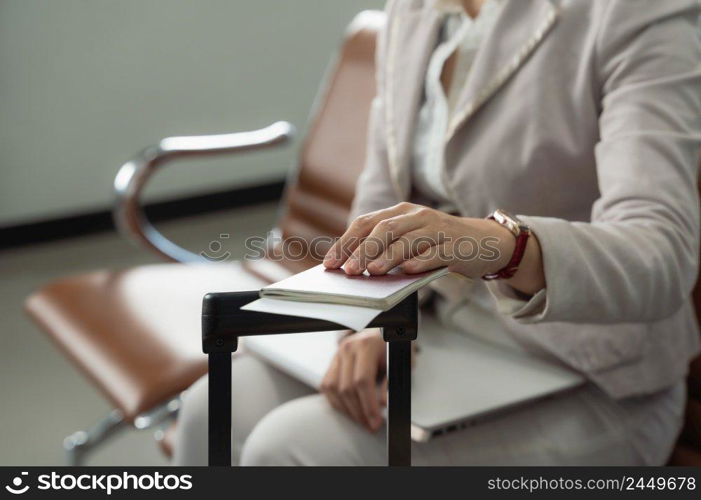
[(129, 216), (132, 223)]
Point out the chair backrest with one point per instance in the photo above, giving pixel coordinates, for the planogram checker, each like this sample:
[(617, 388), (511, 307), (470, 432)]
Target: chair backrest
[(692, 431), (695, 371), (318, 197)]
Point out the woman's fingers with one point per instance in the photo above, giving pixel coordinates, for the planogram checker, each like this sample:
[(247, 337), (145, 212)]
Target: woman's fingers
[(350, 382), (380, 239), (330, 384), (365, 376), (347, 392), (406, 247), (383, 392), (432, 258), (358, 230)]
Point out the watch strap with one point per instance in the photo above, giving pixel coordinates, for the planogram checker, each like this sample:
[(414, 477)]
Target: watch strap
[(521, 232)]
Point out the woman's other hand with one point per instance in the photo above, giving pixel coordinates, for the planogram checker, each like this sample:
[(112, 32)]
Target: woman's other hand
[(351, 383)]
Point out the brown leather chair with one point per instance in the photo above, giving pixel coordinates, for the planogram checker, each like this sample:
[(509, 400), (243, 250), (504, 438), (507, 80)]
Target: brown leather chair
[(135, 332), (111, 324), (688, 449)]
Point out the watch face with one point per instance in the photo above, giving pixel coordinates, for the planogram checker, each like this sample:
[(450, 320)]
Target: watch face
[(509, 221), (499, 216), (508, 216)]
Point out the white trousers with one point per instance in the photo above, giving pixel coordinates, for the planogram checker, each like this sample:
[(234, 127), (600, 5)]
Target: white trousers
[(279, 421)]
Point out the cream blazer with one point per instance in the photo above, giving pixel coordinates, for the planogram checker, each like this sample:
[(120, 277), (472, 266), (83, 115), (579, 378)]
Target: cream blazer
[(584, 117)]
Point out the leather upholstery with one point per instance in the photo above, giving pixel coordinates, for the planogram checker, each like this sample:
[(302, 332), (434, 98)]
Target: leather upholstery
[(685, 456), (135, 333)]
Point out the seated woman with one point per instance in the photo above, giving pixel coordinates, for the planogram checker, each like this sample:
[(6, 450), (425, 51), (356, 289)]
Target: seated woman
[(585, 117)]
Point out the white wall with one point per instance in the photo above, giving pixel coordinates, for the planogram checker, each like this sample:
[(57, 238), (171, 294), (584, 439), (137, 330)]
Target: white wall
[(84, 84)]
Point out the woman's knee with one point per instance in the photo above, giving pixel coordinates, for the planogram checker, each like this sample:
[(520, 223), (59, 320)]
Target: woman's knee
[(276, 438), (307, 431), (191, 434), (194, 408)]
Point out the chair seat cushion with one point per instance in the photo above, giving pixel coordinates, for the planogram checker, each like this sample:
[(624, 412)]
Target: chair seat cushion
[(136, 333)]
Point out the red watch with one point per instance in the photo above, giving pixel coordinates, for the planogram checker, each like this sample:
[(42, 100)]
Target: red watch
[(521, 232)]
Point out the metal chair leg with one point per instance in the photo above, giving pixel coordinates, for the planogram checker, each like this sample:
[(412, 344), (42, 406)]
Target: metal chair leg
[(158, 415), (78, 444)]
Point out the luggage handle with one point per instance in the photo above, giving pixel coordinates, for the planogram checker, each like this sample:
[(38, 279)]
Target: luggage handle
[(223, 322)]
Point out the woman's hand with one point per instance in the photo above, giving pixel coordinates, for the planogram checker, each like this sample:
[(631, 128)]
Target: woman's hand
[(418, 239), (351, 383)]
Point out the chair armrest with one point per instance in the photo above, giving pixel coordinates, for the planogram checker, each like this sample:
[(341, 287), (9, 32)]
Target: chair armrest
[(128, 212)]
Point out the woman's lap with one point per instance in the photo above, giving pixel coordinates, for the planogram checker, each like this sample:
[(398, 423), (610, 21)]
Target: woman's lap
[(279, 421), (579, 428)]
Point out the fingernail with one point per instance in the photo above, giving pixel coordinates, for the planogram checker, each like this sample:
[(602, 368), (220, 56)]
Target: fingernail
[(352, 265), (377, 266)]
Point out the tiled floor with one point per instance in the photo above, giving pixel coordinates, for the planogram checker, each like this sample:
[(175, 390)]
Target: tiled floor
[(42, 397)]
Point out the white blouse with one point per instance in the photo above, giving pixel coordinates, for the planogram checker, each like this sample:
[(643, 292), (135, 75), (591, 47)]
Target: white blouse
[(462, 33)]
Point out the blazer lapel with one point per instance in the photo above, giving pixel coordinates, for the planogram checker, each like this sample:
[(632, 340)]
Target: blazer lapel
[(520, 28), (411, 41)]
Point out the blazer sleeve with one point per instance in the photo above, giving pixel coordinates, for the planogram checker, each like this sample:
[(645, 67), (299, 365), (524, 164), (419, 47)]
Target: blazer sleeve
[(637, 260), (374, 189)]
